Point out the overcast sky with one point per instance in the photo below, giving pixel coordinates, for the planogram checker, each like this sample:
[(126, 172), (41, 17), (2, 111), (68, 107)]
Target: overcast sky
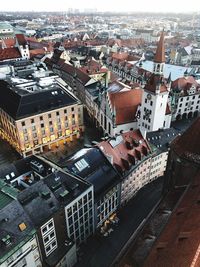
[(102, 5)]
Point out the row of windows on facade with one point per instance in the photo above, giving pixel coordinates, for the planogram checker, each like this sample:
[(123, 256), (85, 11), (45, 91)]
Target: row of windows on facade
[(79, 236), (82, 210), (189, 103), (197, 108), (187, 98), (87, 198), (146, 126), (78, 225), (50, 121), (43, 131), (151, 102)]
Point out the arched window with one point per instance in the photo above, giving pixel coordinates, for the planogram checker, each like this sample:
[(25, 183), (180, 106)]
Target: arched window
[(158, 68)]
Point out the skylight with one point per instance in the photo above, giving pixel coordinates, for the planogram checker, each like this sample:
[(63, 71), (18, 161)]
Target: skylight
[(81, 164)]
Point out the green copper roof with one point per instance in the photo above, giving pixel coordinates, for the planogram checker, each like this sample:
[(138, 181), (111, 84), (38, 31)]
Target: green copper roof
[(7, 194)]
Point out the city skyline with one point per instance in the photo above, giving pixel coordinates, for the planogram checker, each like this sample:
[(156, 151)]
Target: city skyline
[(127, 6)]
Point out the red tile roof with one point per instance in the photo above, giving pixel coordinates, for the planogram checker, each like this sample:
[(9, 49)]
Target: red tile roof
[(21, 39), (154, 81), (80, 75), (120, 56), (93, 67), (126, 43), (39, 51), (160, 52), (10, 42), (125, 103), (168, 111), (185, 83), (131, 148), (9, 53), (179, 244)]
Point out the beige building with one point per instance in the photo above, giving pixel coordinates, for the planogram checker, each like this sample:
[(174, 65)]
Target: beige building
[(34, 118)]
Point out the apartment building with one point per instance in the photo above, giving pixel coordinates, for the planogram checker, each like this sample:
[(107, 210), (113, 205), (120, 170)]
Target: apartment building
[(19, 245), (131, 155), (185, 98), (91, 165), (60, 207), (35, 115)]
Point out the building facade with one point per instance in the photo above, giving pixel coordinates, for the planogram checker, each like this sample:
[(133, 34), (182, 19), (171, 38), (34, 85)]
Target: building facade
[(39, 117), (137, 163), (155, 113)]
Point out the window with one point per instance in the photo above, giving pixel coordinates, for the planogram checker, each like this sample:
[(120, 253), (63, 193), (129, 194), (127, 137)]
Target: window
[(72, 109), (57, 113), (44, 230), (151, 103), (46, 239), (65, 111), (32, 121), (49, 115), (54, 244), (25, 131), (41, 118), (50, 225), (50, 123), (42, 125), (33, 128), (52, 234), (23, 123)]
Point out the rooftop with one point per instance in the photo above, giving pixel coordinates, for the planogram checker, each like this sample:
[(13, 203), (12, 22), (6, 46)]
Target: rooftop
[(178, 245), (7, 194), (126, 150), (20, 103), (188, 144), (91, 165), (162, 138), (15, 229), (125, 104), (176, 71)]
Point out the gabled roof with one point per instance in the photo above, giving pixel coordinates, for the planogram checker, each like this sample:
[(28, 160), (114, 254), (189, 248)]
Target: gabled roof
[(9, 53), (125, 149), (160, 52), (154, 81), (21, 39), (184, 83), (125, 104)]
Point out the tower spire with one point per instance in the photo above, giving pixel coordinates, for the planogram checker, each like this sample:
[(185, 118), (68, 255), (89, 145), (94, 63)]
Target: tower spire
[(160, 51), (159, 59)]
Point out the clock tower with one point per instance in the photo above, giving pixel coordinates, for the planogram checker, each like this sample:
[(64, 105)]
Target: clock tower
[(154, 112)]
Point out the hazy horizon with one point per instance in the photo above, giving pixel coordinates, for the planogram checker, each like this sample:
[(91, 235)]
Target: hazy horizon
[(153, 6)]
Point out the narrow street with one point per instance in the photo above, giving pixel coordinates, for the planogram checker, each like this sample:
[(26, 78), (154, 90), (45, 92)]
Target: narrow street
[(100, 251)]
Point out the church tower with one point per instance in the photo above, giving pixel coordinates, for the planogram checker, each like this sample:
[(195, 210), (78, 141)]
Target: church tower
[(154, 113)]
